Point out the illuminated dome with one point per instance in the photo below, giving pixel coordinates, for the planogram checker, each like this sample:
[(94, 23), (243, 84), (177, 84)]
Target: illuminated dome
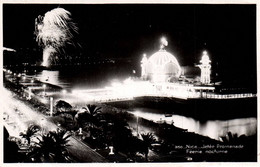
[(161, 66), (162, 57)]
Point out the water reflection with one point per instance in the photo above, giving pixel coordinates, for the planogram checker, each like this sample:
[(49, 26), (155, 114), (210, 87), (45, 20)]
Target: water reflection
[(213, 129), (51, 77), (74, 78)]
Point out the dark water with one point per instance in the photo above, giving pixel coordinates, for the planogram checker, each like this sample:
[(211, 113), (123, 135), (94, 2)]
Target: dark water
[(87, 77), (211, 128)]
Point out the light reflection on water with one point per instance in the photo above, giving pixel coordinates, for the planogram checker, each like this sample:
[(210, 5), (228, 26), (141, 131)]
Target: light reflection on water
[(51, 77), (83, 78), (212, 128)]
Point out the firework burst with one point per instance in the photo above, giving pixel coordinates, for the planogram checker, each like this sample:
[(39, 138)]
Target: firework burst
[(54, 31)]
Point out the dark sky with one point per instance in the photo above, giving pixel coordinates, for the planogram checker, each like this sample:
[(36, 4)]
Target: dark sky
[(227, 32)]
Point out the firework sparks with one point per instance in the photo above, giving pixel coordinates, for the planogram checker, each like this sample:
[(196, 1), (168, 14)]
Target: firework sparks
[(53, 32)]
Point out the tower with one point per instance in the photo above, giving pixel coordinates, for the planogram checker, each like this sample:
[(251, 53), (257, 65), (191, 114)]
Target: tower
[(205, 68)]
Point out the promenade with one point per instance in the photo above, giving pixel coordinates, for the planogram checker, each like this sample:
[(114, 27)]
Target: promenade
[(18, 116)]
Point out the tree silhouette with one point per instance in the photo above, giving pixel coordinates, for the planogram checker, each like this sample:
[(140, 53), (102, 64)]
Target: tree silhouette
[(31, 131), (62, 106), (93, 111), (148, 140), (52, 147), (89, 115)]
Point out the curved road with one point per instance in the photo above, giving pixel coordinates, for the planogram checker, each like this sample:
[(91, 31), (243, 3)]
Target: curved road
[(17, 116)]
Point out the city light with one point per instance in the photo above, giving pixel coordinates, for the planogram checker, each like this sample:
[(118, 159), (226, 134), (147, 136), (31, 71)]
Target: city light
[(205, 68), (64, 91), (137, 114), (164, 42), (9, 49), (44, 86)]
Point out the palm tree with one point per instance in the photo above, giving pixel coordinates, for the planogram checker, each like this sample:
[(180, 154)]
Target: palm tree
[(31, 131), (68, 116), (52, 147), (88, 115), (232, 138), (148, 140), (62, 106), (93, 111)]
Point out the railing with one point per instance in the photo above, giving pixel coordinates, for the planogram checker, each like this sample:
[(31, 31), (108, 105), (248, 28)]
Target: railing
[(230, 96)]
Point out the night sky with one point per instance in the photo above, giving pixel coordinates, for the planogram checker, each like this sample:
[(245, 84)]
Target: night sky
[(227, 32)]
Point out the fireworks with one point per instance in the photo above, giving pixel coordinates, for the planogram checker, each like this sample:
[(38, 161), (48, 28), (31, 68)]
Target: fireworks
[(54, 32)]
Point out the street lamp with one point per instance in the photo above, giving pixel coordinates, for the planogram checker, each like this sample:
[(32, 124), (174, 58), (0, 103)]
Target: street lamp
[(44, 86), (137, 122), (64, 92), (42, 125)]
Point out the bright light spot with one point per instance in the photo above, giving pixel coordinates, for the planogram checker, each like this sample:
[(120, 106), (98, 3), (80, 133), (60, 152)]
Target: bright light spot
[(205, 68), (128, 81), (9, 49), (164, 42), (50, 77), (137, 113), (64, 91), (205, 58), (116, 84)]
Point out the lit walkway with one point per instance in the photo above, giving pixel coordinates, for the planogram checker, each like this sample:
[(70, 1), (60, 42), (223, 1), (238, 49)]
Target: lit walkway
[(18, 116)]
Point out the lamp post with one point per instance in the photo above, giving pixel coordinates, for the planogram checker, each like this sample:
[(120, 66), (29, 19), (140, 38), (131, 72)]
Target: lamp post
[(42, 126), (51, 106), (44, 86), (64, 92), (137, 125), (137, 122)]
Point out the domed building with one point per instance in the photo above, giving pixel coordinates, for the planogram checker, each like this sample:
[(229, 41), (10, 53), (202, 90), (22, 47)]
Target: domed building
[(161, 66)]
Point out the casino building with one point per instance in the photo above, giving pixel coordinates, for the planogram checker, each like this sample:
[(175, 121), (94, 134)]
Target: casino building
[(163, 70), (161, 66)]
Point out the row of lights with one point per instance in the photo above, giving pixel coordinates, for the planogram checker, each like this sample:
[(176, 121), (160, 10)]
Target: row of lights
[(32, 81)]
